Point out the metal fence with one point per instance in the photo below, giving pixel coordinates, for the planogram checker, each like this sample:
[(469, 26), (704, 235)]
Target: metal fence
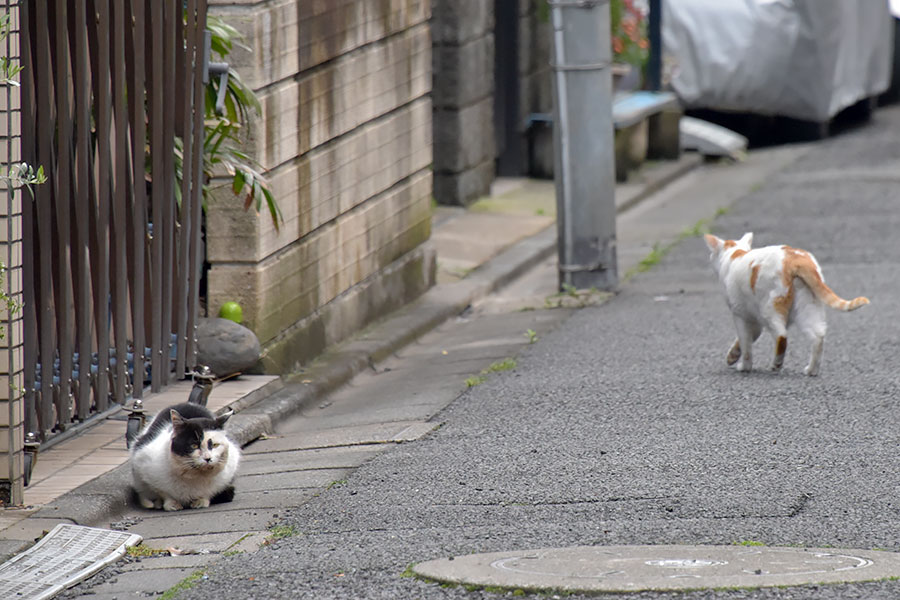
[(113, 111)]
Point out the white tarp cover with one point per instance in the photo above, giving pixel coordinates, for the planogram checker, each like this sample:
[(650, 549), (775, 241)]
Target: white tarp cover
[(807, 59)]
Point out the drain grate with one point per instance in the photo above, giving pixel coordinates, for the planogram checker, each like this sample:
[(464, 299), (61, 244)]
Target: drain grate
[(65, 556)]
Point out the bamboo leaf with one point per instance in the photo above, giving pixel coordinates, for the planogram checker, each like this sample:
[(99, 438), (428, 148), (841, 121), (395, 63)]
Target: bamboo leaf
[(238, 183)]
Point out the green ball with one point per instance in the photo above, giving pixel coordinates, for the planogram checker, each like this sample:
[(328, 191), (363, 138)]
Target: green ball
[(232, 311)]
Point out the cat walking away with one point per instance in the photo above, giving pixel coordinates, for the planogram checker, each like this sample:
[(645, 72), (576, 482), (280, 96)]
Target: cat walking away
[(772, 288), (183, 458)]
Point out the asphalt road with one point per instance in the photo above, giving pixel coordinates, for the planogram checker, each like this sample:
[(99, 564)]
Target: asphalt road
[(625, 426)]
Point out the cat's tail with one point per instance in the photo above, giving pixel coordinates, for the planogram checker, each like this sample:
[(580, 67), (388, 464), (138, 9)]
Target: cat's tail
[(226, 495), (808, 273)]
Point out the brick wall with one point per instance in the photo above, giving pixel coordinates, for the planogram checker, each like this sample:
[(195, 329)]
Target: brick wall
[(11, 375), (345, 138)]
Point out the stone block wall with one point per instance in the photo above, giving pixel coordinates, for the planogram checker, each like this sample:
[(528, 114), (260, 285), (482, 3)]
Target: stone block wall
[(535, 85), (345, 138), (464, 142), (12, 413), (466, 71)]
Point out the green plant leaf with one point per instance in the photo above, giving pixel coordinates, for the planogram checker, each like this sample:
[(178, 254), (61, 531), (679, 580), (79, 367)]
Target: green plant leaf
[(238, 183)]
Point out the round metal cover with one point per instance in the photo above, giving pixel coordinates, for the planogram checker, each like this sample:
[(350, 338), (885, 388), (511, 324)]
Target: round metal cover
[(637, 568)]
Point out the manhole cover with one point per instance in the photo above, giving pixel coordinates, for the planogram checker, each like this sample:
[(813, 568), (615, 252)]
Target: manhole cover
[(636, 568), (65, 556)]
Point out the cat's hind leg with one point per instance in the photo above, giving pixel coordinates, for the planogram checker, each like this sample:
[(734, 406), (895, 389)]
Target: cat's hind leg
[(812, 323), (734, 354), (748, 332), (815, 357), (780, 349), (778, 328), (144, 496)]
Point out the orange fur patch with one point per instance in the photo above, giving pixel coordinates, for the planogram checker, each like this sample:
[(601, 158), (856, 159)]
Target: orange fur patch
[(729, 244), (737, 254), (754, 275), (796, 260), (783, 304), (781, 345)]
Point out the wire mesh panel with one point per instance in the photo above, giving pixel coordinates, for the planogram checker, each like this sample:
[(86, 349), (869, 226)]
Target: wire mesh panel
[(114, 114)]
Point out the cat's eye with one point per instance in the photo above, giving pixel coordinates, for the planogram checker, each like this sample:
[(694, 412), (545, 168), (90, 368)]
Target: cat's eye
[(195, 446), (210, 445)]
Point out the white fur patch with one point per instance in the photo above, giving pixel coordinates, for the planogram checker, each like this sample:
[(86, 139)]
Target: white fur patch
[(165, 480)]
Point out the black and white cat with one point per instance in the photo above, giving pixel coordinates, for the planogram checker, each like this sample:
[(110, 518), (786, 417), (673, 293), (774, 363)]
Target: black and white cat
[(183, 458)]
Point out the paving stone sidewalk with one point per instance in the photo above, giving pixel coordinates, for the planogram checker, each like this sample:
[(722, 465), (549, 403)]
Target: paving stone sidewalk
[(385, 387)]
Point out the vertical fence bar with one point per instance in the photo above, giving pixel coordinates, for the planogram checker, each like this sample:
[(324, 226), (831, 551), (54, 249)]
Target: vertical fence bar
[(29, 154), (119, 205), (43, 196), (172, 12), (158, 192), (135, 43), (99, 27), (195, 255), (63, 169), (80, 248), (187, 71)]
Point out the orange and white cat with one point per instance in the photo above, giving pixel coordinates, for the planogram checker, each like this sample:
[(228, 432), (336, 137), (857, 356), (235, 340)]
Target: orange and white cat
[(772, 288)]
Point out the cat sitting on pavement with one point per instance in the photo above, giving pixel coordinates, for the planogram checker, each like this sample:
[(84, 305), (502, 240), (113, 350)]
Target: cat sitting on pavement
[(183, 458), (773, 288)]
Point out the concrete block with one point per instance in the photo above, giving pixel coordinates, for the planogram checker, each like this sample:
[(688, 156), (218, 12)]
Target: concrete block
[(465, 187), (455, 22), (535, 93), (316, 478), (271, 38), (218, 518), (663, 136), (464, 138), (463, 74), (290, 285), (286, 37), (393, 287), (328, 181), (300, 115), (631, 148), (535, 43)]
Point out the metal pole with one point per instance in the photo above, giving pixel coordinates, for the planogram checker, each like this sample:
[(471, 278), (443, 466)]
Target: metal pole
[(583, 142), (654, 33)]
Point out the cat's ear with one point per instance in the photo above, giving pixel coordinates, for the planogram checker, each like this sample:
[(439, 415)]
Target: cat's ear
[(747, 239), (712, 242), (177, 419), (221, 419)]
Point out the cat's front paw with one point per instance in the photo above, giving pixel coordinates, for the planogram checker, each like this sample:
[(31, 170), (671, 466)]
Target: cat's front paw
[(744, 366), (170, 504), (200, 503), (811, 371), (148, 503)]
